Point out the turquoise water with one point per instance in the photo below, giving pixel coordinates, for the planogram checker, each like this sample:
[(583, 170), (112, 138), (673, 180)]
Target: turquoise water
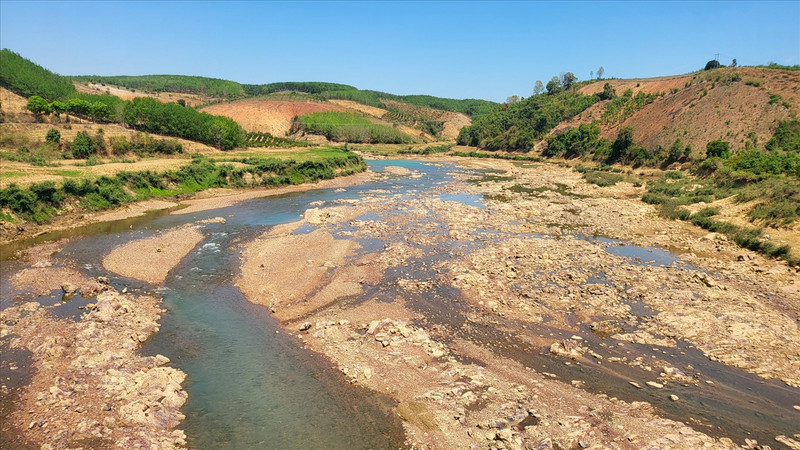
[(250, 386)]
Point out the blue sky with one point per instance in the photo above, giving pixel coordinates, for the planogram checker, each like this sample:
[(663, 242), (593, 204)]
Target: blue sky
[(453, 49)]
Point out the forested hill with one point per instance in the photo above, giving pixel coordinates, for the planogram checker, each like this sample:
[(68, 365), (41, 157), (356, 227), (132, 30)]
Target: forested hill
[(184, 84), (50, 93), (212, 88)]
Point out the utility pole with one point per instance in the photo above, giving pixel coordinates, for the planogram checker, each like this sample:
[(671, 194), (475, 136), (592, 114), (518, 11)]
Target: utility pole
[(716, 57)]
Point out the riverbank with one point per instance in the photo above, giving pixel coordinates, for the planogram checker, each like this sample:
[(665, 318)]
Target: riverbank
[(481, 321), (184, 204)]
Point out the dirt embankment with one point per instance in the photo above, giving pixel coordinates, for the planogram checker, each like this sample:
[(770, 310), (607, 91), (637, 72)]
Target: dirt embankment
[(89, 386), (444, 317)]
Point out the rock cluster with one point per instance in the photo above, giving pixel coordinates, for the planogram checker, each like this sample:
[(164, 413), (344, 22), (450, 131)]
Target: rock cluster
[(90, 386)]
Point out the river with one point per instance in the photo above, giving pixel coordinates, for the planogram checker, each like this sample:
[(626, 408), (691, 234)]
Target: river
[(251, 384)]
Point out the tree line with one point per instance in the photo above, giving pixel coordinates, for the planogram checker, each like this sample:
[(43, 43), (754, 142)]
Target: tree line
[(50, 93)]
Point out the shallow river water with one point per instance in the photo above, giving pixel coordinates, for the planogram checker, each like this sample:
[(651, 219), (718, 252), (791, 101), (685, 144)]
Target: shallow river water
[(250, 384)]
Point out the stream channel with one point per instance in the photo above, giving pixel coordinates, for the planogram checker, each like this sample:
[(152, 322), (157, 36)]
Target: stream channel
[(250, 384)]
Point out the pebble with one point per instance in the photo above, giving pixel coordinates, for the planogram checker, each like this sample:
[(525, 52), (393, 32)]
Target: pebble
[(674, 397), (635, 384), (655, 384)]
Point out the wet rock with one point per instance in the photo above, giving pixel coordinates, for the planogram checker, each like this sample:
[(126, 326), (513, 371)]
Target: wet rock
[(568, 348), (68, 288), (789, 442), (645, 338), (605, 328)]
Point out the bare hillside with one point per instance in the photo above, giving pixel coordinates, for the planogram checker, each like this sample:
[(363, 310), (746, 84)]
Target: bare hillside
[(453, 121), (270, 116), (733, 104)]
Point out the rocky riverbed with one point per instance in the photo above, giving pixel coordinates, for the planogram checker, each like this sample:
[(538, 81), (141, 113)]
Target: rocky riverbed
[(439, 302), (521, 308), (88, 386)]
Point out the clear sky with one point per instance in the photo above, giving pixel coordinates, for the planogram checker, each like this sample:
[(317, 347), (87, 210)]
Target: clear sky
[(486, 50)]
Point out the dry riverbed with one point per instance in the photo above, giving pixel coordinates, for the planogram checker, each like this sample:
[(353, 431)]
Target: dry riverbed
[(442, 313)]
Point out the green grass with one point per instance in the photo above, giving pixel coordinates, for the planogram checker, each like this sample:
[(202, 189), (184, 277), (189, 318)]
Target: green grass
[(498, 156), (429, 150), (67, 173), (349, 127), (602, 179)]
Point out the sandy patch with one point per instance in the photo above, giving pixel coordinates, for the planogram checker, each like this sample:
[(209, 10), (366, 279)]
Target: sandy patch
[(281, 271), (151, 259), (397, 170)]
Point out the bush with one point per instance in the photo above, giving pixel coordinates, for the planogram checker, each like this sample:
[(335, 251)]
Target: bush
[(718, 149), (83, 145), (53, 136)]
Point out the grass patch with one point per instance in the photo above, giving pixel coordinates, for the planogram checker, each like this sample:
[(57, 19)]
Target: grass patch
[(749, 238), (498, 156), (268, 140), (348, 127), (602, 179), (11, 174), (67, 173)]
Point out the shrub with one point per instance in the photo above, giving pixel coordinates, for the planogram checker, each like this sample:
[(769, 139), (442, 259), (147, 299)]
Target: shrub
[(53, 136), (718, 149), (82, 145)]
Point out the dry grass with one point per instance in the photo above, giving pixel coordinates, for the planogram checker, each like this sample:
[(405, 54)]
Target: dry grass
[(270, 116)]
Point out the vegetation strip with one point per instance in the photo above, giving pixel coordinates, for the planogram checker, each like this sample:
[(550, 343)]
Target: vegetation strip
[(39, 202)]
